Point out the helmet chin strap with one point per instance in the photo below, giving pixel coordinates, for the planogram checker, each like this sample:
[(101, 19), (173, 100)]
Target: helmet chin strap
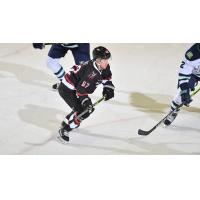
[(98, 66)]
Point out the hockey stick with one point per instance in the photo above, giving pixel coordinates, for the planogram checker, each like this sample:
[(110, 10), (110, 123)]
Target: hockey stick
[(142, 132), (48, 43), (85, 111), (60, 138)]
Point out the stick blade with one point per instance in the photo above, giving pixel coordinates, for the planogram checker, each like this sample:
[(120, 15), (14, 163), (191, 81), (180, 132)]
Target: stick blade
[(141, 132)]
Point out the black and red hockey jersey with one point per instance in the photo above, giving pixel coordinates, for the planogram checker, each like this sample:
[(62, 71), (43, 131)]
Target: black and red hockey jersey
[(85, 78)]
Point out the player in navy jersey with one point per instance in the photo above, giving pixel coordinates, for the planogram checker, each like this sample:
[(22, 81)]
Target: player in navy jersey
[(80, 52)]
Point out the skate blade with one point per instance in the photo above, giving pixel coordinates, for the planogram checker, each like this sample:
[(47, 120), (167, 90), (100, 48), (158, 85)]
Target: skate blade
[(165, 126), (54, 90), (61, 141)]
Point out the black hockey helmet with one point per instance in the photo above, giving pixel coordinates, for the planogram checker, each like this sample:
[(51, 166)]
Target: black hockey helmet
[(101, 52)]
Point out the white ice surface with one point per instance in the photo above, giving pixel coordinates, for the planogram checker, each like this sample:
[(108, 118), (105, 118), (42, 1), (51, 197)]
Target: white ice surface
[(145, 76)]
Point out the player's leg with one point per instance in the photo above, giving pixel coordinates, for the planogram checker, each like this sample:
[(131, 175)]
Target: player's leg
[(70, 122), (82, 53), (55, 53), (177, 100)]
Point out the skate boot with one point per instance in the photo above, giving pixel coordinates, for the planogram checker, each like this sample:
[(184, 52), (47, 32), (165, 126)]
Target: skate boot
[(55, 86), (67, 127), (170, 118), (64, 132)]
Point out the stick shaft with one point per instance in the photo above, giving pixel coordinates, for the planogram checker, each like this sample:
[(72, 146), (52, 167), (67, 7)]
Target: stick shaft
[(85, 111), (142, 132)]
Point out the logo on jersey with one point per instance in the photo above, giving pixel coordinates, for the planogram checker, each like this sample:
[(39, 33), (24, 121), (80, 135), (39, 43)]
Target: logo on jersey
[(92, 75), (196, 70), (98, 82), (76, 68), (189, 54)]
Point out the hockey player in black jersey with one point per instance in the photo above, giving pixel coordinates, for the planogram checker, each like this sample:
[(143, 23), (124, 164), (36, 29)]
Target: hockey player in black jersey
[(81, 81), (80, 52), (189, 75)]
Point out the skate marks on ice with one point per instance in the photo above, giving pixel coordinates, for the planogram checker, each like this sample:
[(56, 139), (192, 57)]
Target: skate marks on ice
[(18, 50), (26, 74), (132, 146), (102, 146), (97, 142), (47, 120), (145, 146), (42, 117), (92, 140), (184, 128), (122, 145), (159, 148), (92, 137), (172, 140), (156, 106)]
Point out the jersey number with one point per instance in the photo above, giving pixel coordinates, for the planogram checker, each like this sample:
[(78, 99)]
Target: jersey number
[(182, 64), (85, 84)]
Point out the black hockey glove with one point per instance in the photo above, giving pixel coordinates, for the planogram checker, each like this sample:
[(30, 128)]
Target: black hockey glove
[(185, 97), (108, 90), (185, 94), (38, 45), (87, 104)]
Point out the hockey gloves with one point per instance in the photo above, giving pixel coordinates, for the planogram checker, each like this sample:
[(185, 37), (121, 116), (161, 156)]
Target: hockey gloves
[(185, 94), (185, 97), (108, 90), (38, 45)]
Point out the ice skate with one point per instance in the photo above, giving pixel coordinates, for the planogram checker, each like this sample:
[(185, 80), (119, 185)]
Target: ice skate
[(65, 129), (55, 86), (63, 132), (170, 118)]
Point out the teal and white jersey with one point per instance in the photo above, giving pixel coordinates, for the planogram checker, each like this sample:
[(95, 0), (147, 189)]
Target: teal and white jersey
[(190, 64)]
